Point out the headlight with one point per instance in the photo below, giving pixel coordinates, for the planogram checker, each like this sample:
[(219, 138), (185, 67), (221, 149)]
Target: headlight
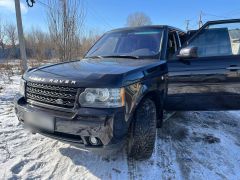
[(102, 97), (22, 87)]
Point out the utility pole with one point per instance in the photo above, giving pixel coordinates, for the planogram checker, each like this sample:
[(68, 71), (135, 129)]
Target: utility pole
[(187, 24), (200, 23), (21, 36), (64, 6)]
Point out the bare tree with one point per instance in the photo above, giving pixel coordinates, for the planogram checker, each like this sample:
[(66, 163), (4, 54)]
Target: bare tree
[(138, 19), (88, 40), (11, 33), (38, 44), (2, 35), (65, 21), (8, 39), (11, 40)]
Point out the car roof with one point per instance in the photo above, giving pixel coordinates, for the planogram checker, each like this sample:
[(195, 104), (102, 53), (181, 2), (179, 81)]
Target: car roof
[(149, 26)]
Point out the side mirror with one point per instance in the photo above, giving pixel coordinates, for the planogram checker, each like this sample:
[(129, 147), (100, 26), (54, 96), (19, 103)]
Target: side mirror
[(188, 53)]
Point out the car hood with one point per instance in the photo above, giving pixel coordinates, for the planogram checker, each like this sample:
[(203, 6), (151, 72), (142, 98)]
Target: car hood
[(109, 72)]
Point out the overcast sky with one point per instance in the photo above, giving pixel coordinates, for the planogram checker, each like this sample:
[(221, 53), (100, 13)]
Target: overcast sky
[(104, 15)]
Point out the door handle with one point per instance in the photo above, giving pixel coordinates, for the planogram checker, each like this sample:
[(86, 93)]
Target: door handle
[(233, 68)]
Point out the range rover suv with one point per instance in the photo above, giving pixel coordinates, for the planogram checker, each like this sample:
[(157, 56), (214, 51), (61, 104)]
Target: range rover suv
[(117, 93)]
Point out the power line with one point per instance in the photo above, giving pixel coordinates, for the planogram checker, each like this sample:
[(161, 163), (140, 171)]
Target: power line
[(187, 24), (202, 14), (236, 11), (91, 10), (108, 26), (44, 4), (98, 15), (200, 22), (214, 15)]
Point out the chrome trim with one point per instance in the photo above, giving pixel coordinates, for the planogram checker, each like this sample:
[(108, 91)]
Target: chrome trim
[(48, 106)]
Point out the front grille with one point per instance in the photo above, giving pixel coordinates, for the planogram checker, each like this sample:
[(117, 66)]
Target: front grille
[(51, 94)]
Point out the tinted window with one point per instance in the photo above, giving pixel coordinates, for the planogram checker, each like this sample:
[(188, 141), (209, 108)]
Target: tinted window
[(218, 40), (172, 46)]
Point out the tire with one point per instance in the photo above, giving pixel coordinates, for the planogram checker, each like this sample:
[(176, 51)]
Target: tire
[(160, 111), (142, 132), (160, 119)]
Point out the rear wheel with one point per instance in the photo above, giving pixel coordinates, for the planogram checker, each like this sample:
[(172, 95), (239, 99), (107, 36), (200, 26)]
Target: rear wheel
[(142, 132)]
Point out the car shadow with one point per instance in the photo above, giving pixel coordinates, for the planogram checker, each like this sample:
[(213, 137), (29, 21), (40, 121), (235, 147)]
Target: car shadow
[(100, 165), (185, 143)]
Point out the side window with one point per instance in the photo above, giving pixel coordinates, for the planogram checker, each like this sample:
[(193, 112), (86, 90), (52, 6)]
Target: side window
[(218, 40), (172, 45), (183, 37)]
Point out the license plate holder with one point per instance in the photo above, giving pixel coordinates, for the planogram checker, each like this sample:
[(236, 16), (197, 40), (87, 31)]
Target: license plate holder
[(39, 121)]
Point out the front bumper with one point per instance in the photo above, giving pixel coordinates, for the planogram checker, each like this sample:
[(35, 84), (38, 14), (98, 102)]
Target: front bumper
[(77, 126)]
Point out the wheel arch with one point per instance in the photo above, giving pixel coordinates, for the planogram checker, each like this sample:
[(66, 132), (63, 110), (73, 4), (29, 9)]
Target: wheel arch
[(157, 98), (144, 91)]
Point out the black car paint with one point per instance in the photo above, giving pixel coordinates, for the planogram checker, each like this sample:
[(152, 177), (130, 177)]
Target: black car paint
[(212, 83), (97, 73), (207, 81), (139, 77)]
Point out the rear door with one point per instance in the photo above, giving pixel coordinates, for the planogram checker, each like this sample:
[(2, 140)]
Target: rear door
[(212, 80)]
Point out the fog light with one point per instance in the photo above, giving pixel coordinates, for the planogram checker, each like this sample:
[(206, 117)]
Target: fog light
[(93, 140)]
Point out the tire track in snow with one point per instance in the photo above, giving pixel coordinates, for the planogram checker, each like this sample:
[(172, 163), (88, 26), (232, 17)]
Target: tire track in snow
[(182, 150), (131, 168)]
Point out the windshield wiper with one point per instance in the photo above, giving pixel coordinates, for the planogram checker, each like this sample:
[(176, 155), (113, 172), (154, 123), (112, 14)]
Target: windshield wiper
[(122, 56), (95, 57), (114, 56)]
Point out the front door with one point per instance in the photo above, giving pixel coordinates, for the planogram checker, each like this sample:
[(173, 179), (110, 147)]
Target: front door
[(212, 80)]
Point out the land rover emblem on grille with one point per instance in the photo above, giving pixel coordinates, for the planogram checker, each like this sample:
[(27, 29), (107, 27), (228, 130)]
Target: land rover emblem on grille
[(59, 101)]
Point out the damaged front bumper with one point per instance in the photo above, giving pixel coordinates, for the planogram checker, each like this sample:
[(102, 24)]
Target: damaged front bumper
[(77, 127)]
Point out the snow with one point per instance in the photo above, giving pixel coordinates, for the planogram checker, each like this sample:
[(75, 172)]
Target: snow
[(191, 145)]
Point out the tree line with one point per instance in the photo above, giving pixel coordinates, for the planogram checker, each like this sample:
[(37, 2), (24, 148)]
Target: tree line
[(65, 38), (42, 45)]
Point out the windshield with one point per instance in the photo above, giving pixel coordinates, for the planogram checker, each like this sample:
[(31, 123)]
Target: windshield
[(144, 43)]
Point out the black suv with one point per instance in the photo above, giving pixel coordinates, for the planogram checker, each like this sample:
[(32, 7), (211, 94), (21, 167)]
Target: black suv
[(119, 90)]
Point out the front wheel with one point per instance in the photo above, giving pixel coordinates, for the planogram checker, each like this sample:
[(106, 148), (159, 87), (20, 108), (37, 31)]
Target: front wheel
[(142, 132)]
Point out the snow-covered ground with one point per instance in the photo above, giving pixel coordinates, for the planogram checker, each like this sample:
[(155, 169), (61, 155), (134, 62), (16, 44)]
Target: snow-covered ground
[(191, 145)]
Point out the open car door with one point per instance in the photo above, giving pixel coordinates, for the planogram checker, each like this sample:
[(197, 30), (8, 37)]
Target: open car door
[(209, 79)]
